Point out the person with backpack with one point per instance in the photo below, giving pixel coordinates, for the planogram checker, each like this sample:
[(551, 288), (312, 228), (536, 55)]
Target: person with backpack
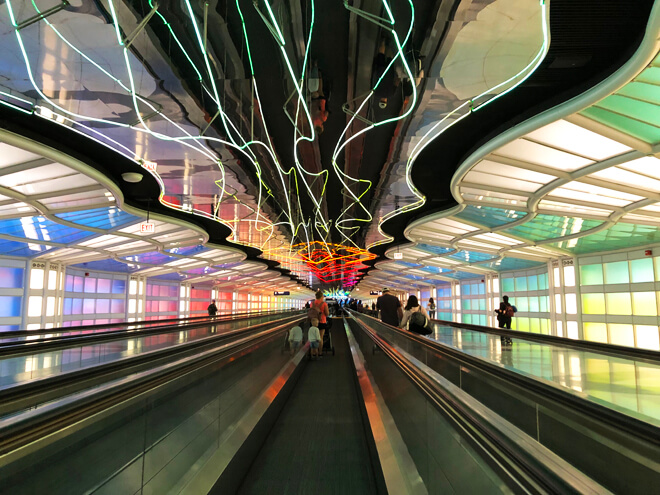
[(505, 312), (212, 309), (415, 317), (430, 307), (319, 310)]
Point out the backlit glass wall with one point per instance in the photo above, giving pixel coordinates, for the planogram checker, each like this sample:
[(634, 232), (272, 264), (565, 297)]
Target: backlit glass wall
[(162, 300), (12, 281), (473, 301), (443, 302), (200, 298), (93, 298), (620, 299), (528, 292)]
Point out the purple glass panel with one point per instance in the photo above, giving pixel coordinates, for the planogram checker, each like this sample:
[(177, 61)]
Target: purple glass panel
[(68, 284), (11, 278), (76, 308), (104, 286), (88, 306), (103, 306), (10, 305), (90, 285), (67, 305), (78, 283), (117, 306)]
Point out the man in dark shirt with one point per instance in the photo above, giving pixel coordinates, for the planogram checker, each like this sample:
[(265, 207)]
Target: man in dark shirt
[(390, 308)]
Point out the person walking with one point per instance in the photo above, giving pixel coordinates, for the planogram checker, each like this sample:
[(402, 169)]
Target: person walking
[(430, 307), (315, 338), (319, 310), (212, 309), (415, 318), (504, 314), (390, 308)]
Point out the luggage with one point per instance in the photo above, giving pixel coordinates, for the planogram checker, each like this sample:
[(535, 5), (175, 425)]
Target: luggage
[(510, 311), (327, 340), (419, 323)]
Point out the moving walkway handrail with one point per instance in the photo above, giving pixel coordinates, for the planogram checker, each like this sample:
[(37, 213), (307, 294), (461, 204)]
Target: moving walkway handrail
[(27, 394), (633, 426), (138, 323), (532, 466), (636, 353), (27, 430), (12, 348)]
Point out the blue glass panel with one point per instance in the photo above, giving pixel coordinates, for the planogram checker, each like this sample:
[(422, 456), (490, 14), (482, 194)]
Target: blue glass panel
[(118, 287), (202, 270), (68, 302), (552, 226), (434, 249), (435, 269), (14, 248), (117, 306), (171, 276), (471, 256), (40, 228), (78, 284), (11, 277), (10, 306), (489, 216), (189, 250), (76, 307), (506, 264), (407, 264), (101, 218), (8, 328), (466, 289)]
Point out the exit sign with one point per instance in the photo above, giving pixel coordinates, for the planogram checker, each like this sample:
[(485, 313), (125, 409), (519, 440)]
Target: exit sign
[(375, 293), (149, 165), (398, 256), (281, 293), (147, 228)]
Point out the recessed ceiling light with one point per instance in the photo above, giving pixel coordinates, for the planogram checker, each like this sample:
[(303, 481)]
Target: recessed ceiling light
[(132, 177)]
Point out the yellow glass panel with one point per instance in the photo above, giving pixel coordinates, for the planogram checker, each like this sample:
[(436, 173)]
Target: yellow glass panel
[(596, 332), (593, 304), (621, 334), (644, 304), (618, 303), (534, 325)]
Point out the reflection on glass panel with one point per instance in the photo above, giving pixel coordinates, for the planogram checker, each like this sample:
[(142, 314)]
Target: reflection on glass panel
[(521, 303), (648, 337), (621, 334), (543, 281), (591, 275), (68, 286), (544, 304), (11, 277), (641, 270), (68, 305), (596, 332), (618, 303), (616, 273), (593, 304), (37, 278), (644, 304)]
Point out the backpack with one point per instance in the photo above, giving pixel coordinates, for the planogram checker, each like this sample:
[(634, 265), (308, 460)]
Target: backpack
[(509, 311), (313, 313), (418, 323)]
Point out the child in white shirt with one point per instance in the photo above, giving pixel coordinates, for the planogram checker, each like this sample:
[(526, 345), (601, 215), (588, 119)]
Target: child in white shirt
[(314, 337), (295, 339)]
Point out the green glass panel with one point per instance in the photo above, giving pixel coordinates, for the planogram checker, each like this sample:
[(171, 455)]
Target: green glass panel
[(521, 284), (640, 130), (650, 75), (522, 324), (639, 110), (656, 263), (621, 334), (489, 216), (533, 304), (521, 303), (545, 326), (593, 304), (644, 304), (596, 332), (507, 285), (533, 282), (544, 303), (642, 91), (534, 325), (641, 270), (482, 305), (543, 281), (618, 303), (591, 274), (616, 273), (619, 236), (465, 304), (551, 226)]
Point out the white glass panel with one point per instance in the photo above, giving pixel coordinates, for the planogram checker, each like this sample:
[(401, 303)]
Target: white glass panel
[(555, 272), (132, 287), (647, 165), (50, 306), (132, 305), (530, 152), (558, 303), (34, 305), (571, 304), (572, 329), (569, 276), (621, 176), (52, 279), (37, 278)]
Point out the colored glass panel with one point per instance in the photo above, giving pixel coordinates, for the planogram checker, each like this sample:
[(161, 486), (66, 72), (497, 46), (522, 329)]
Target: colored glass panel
[(101, 218), (593, 304), (508, 285), (10, 306), (507, 264), (648, 337), (521, 283), (40, 228), (619, 236), (117, 306), (618, 303), (622, 334), (433, 249), (533, 282), (631, 126), (118, 287), (544, 227), (489, 216), (616, 273), (596, 332), (22, 249), (644, 304), (591, 275), (471, 256), (11, 277), (641, 270), (103, 306), (104, 285)]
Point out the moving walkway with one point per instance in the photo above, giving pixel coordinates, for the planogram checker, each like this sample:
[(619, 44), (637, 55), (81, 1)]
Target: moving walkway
[(244, 417)]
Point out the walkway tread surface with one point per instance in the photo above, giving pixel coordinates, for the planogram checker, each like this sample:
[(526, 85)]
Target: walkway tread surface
[(318, 444)]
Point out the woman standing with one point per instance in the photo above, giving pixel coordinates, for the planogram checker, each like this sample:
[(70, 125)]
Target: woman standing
[(415, 317), (504, 315), (323, 312), (430, 307)]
